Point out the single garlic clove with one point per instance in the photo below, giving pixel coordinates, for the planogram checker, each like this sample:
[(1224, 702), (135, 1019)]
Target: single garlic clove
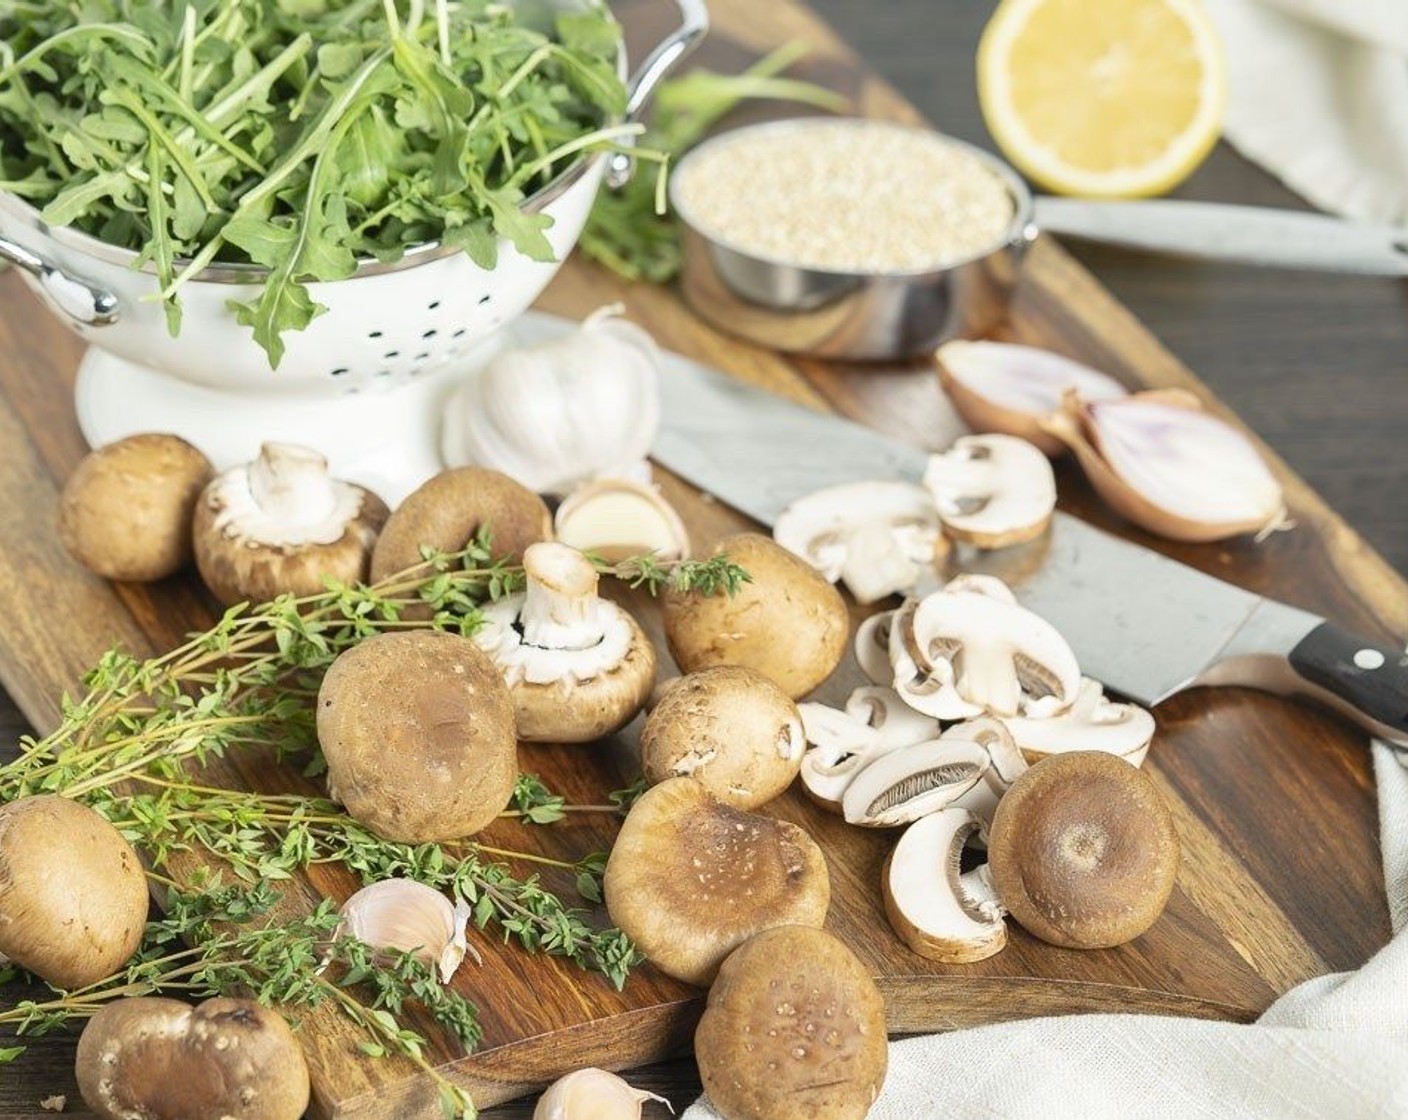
[(1002, 387), (592, 1094), (410, 917), (1171, 468), (616, 518)]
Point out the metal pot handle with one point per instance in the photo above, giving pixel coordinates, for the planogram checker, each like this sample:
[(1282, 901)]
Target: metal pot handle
[(671, 51), (77, 298)]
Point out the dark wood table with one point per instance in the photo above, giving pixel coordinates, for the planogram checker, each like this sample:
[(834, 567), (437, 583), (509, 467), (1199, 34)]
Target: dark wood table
[(1315, 364)]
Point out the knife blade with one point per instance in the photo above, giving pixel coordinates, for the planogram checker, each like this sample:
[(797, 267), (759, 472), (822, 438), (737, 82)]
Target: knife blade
[(1143, 624)]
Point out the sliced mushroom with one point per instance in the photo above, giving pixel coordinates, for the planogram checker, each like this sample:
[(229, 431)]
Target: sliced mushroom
[(616, 518), (1006, 762), (992, 491), (972, 653), (875, 537), (577, 666), (875, 721), (872, 648), (690, 878), (1091, 723), (906, 784), (941, 913), (282, 524)]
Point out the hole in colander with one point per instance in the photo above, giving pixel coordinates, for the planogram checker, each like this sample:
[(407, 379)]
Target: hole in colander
[(383, 373), (483, 299), (433, 304), (339, 371), (430, 333), (392, 354), (423, 355), (459, 333), (373, 334)]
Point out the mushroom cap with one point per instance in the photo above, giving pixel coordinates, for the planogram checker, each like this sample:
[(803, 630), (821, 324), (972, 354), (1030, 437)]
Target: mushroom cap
[(992, 491), (125, 512), (731, 729), (575, 710), (1083, 851), (690, 878), (794, 1029), (161, 1059), (73, 897), (788, 623), (247, 554), (448, 510), (417, 728)]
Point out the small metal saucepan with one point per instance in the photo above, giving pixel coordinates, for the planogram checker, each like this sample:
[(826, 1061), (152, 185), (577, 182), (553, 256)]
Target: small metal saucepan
[(882, 315)]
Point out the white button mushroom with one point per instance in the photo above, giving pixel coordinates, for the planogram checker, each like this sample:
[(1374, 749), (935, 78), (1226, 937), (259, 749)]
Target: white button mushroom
[(992, 491), (876, 537)]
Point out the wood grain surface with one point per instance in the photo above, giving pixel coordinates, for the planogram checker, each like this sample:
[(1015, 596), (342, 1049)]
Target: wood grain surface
[(1260, 905)]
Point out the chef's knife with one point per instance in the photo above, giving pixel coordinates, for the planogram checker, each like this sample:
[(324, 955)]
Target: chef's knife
[(1143, 624)]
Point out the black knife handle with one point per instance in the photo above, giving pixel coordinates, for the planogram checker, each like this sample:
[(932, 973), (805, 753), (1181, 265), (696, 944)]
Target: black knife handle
[(1368, 677)]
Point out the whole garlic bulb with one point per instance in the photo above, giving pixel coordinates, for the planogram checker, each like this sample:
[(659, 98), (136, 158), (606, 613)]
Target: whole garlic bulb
[(582, 406), (592, 1094)]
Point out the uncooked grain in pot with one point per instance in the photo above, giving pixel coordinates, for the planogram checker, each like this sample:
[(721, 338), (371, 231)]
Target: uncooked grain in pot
[(846, 196)]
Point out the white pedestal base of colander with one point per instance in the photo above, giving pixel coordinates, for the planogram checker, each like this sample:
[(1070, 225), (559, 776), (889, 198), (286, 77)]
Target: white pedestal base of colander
[(386, 441)]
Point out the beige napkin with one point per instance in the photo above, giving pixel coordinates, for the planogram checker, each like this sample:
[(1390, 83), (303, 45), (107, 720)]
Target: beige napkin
[(1318, 95), (1334, 1047)]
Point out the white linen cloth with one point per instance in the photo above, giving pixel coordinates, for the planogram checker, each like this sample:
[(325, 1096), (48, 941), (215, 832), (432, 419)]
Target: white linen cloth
[(1318, 95), (1333, 1048)]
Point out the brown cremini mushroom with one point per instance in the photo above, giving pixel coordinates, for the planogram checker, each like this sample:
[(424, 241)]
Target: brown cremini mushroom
[(125, 512), (577, 666), (418, 732), (794, 1029), (690, 878), (731, 729), (447, 512), (788, 623), (160, 1059), (283, 525), (73, 896), (1083, 851)]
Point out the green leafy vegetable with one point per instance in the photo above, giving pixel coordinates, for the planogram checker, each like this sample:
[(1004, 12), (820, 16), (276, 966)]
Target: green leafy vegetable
[(297, 135)]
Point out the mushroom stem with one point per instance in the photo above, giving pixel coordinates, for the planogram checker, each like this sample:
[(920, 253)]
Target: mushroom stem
[(560, 609), (290, 484)]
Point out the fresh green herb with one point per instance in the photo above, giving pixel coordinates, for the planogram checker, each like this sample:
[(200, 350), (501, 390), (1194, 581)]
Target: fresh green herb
[(628, 232), (298, 136), (535, 802)]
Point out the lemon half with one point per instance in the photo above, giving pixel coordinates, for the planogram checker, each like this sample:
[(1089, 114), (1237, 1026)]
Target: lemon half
[(1104, 98)]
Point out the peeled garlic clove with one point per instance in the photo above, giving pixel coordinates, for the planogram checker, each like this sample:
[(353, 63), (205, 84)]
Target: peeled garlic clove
[(1002, 387), (1177, 471), (407, 916), (617, 517), (577, 407), (592, 1094)]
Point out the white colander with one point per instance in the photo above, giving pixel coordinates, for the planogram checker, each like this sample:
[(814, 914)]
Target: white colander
[(362, 383)]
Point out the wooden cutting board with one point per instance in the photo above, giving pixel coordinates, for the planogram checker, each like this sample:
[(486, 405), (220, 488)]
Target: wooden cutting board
[(1274, 800)]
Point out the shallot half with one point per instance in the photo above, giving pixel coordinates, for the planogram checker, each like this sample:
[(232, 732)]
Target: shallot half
[(1162, 462)]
